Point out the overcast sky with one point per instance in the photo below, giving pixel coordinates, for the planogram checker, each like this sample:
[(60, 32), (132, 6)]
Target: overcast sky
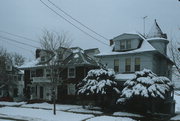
[(109, 18)]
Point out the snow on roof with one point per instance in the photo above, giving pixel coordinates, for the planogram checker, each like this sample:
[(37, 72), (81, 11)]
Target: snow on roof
[(146, 46), (156, 38), (30, 64), (124, 77)]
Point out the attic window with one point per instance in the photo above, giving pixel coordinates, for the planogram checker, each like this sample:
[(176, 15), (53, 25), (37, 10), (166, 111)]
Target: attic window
[(125, 44)]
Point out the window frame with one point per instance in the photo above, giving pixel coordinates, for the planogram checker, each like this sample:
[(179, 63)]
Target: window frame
[(116, 67), (128, 66), (137, 65), (74, 72)]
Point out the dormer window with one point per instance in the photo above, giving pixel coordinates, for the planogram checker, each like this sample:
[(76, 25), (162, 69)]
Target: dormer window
[(128, 44), (122, 44), (125, 44)]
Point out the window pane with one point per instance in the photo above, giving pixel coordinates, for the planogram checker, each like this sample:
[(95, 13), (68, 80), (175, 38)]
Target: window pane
[(128, 65), (71, 72), (116, 65), (137, 61), (137, 64), (128, 44), (122, 44)]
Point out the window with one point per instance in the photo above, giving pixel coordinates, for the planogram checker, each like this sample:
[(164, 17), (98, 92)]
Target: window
[(39, 72), (128, 44), (122, 44), (125, 44), (48, 72), (43, 58), (19, 77), (33, 73), (128, 65), (71, 72), (15, 92), (71, 89), (137, 64), (116, 65)]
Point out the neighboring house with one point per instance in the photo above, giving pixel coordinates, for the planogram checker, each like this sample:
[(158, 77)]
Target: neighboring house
[(12, 83), (130, 52), (74, 65)]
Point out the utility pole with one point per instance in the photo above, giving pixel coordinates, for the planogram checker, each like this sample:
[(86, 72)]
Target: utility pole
[(144, 29)]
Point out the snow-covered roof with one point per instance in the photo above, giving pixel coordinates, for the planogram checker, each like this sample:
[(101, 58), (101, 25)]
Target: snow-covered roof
[(31, 64), (145, 46), (124, 77)]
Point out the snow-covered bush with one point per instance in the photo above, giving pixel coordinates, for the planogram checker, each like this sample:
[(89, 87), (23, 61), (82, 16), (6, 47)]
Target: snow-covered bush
[(98, 81), (147, 85)]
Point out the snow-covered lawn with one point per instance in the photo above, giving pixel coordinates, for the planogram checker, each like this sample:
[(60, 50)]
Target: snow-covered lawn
[(110, 118), (43, 112), (50, 106), (126, 114), (177, 99), (12, 103), (45, 115), (177, 109)]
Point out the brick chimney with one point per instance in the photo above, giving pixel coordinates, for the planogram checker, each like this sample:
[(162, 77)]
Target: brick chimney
[(111, 42)]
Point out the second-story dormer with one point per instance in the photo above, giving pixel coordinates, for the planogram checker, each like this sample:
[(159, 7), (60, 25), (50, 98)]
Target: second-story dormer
[(126, 42)]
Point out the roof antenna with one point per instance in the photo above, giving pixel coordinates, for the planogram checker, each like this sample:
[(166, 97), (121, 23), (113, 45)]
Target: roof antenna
[(144, 18)]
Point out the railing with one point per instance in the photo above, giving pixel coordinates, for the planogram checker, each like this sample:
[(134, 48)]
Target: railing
[(41, 79), (44, 79)]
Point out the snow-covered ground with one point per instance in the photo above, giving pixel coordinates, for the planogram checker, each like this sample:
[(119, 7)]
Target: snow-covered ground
[(43, 112), (177, 109)]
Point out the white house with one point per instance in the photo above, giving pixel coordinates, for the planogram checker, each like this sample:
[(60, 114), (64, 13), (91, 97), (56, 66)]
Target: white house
[(130, 52)]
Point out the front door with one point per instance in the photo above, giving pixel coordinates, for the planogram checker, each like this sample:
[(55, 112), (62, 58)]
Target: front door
[(41, 92)]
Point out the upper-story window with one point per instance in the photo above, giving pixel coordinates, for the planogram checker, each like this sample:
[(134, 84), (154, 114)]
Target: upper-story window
[(71, 72), (125, 44), (116, 65), (128, 65), (128, 44), (33, 73), (122, 44), (43, 59), (137, 64)]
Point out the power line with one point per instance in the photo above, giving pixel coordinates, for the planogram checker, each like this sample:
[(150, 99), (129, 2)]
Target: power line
[(77, 20), (19, 46), (73, 24), (19, 36), (13, 40)]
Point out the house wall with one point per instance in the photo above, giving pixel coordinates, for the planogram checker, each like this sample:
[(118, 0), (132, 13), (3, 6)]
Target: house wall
[(146, 61), (160, 45), (161, 66)]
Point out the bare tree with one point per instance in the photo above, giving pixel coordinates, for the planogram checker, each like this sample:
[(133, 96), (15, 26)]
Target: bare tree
[(5, 65), (175, 55), (55, 45), (18, 59)]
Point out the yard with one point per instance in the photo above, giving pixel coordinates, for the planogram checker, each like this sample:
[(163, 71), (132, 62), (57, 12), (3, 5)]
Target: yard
[(10, 111)]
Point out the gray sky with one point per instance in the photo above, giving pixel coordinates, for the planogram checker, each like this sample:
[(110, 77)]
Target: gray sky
[(108, 17)]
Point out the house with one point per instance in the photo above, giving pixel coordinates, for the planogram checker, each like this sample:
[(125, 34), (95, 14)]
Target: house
[(12, 84), (73, 67), (130, 52)]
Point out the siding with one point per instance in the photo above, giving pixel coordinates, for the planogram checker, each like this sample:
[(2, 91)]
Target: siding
[(146, 61)]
